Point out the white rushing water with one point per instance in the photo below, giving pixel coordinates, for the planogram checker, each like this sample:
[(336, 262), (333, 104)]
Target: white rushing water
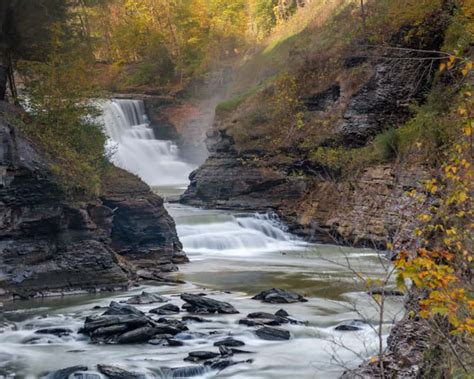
[(157, 162), (222, 233)]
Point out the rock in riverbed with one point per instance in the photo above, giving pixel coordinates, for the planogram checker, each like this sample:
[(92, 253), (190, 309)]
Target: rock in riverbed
[(273, 334), (277, 295), (147, 298), (202, 303), (229, 342), (350, 326), (55, 331), (196, 356), (122, 309), (65, 372), (165, 310), (115, 372)]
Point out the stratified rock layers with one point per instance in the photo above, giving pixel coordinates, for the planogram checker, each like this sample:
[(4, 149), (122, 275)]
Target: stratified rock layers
[(50, 245)]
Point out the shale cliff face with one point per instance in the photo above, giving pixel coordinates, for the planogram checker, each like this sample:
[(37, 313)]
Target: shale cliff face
[(49, 245)]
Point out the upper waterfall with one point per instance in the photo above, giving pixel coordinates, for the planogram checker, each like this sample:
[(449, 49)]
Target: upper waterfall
[(136, 149)]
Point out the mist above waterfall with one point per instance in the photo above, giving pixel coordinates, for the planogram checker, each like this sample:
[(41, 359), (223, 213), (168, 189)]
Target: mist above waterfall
[(135, 149)]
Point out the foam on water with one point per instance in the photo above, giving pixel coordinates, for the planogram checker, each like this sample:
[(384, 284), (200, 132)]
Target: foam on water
[(157, 162), (236, 235)]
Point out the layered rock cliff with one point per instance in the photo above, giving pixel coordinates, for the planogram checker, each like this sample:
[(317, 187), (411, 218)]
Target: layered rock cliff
[(262, 159), (51, 245)]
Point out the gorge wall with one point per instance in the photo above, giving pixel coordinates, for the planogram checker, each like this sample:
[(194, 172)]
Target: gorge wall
[(261, 159), (52, 245)]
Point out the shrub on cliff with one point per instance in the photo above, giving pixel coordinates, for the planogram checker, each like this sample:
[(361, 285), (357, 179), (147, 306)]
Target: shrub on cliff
[(64, 126)]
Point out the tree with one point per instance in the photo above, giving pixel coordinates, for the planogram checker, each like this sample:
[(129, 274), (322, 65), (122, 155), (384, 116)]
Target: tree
[(25, 33)]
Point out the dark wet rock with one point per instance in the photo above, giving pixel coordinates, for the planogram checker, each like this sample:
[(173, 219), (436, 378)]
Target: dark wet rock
[(175, 343), (268, 316), (320, 101), (157, 276), (139, 335), (118, 309), (248, 322), (52, 245), (65, 372), (222, 364), (229, 342), (55, 331), (196, 356), (239, 351), (105, 332), (168, 329), (282, 313), (279, 296), (147, 298), (210, 305), (225, 351), (350, 326), (174, 323), (131, 321), (273, 334), (194, 319), (115, 372), (142, 230), (167, 309)]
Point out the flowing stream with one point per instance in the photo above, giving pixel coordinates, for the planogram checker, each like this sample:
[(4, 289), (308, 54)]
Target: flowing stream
[(233, 257)]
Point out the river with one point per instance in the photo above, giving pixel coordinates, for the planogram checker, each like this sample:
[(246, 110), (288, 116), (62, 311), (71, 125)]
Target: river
[(233, 256)]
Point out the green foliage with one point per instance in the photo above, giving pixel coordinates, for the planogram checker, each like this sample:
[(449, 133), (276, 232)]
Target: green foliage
[(340, 162), (263, 14), (232, 103), (386, 145), (58, 93)]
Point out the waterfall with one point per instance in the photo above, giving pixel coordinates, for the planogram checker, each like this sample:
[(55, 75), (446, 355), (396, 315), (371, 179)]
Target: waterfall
[(135, 148), (234, 235)]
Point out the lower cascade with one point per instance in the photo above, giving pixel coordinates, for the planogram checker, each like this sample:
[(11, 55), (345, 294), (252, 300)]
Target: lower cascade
[(134, 147), (233, 234)]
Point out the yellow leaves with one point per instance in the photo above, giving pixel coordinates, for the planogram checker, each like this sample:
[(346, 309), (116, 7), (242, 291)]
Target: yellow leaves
[(467, 130), (442, 67), (424, 217), (467, 68), (373, 360)]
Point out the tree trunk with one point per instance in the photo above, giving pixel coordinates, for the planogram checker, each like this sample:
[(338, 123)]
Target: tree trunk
[(3, 81)]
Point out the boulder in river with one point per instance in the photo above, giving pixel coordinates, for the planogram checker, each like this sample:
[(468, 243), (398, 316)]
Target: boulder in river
[(131, 321), (268, 316), (55, 331), (279, 296), (196, 356), (115, 372), (350, 326), (147, 298), (167, 309), (122, 309), (209, 305), (273, 334), (65, 372), (282, 313), (140, 335), (194, 319), (229, 342)]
